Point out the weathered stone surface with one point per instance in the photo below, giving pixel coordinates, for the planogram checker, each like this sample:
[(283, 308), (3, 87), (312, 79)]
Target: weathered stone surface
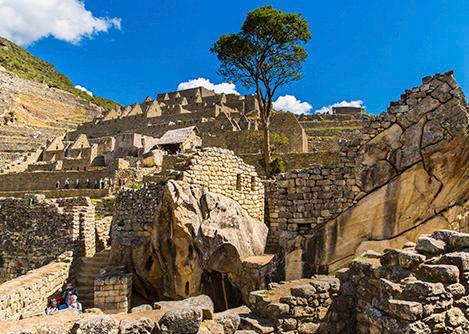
[(141, 308), (446, 274), (459, 259), (229, 320), (52, 329), (409, 171), (101, 324), (405, 309), (430, 245), (195, 230), (202, 302), (303, 291), (182, 320), (459, 241), (139, 326), (416, 290)]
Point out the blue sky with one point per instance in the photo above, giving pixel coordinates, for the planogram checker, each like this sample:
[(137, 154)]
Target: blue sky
[(360, 50)]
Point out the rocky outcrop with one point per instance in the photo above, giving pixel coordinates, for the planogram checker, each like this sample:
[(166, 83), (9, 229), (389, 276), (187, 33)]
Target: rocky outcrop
[(414, 173), (406, 174)]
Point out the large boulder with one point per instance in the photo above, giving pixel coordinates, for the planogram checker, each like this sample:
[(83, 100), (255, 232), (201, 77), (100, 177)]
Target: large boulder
[(196, 237), (181, 321), (197, 231)]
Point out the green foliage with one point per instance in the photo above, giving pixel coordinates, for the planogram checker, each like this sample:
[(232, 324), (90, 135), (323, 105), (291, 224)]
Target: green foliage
[(134, 185), (17, 60), (278, 140), (267, 50), (277, 165), (266, 54)]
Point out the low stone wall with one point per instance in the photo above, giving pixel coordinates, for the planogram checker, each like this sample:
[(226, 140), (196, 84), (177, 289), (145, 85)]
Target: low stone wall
[(221, 172), (93, 193), (31, 292), (34, 231), (113, 290), (31, 181)]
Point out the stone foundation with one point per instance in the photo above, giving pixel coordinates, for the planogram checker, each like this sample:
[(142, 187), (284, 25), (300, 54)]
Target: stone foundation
[(113, 290)]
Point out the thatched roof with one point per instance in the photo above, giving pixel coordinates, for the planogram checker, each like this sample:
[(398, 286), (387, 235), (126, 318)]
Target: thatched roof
[(176, 136)]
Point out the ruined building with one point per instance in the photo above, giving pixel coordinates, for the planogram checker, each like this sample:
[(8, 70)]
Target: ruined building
[(374, 241)]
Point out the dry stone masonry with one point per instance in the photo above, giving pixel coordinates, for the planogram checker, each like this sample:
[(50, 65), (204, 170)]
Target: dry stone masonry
[(113, 290), (31, 292), (222, 172), (35, 230), (421, 288)]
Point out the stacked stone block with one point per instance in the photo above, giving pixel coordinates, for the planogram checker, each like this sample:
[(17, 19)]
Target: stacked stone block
[(310, 197), (221, 171), (31, 292), (303, 306), (421, 288), (113, 290)]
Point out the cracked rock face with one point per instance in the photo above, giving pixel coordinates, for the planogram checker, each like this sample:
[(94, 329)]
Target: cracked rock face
[(413, 174)]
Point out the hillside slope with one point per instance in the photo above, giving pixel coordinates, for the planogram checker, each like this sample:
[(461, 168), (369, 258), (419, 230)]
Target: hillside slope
[(19, 61), (37, 103)]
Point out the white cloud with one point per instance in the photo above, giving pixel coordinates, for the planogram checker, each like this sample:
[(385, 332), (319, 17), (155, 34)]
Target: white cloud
[(26, 21), (328, 109), (292, 104), (225, 87), (83, 89)]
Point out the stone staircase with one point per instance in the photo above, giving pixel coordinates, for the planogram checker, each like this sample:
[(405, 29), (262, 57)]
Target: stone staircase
[(87, 271)]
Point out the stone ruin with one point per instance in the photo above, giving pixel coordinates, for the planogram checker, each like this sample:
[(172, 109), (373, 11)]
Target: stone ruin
[(420, 288), (207, 246)]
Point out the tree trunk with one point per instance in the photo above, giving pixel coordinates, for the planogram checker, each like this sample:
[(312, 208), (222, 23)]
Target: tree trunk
[(267, 149)]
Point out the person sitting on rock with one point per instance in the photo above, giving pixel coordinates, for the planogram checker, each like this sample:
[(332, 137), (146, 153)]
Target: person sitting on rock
[(52, 308), (74, 304)]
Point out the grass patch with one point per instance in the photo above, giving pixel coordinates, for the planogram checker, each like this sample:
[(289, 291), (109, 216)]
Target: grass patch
[(134, 185)]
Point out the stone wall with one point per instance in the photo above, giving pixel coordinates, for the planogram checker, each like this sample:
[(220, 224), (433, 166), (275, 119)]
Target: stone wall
[(421, 288), (34, 231), (31, 292), (31, 181), (220, 171), (113, 290), (404, 175), (131, 227)]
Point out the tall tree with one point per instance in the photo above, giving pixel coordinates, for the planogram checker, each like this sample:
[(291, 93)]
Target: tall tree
[(266, 54)]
